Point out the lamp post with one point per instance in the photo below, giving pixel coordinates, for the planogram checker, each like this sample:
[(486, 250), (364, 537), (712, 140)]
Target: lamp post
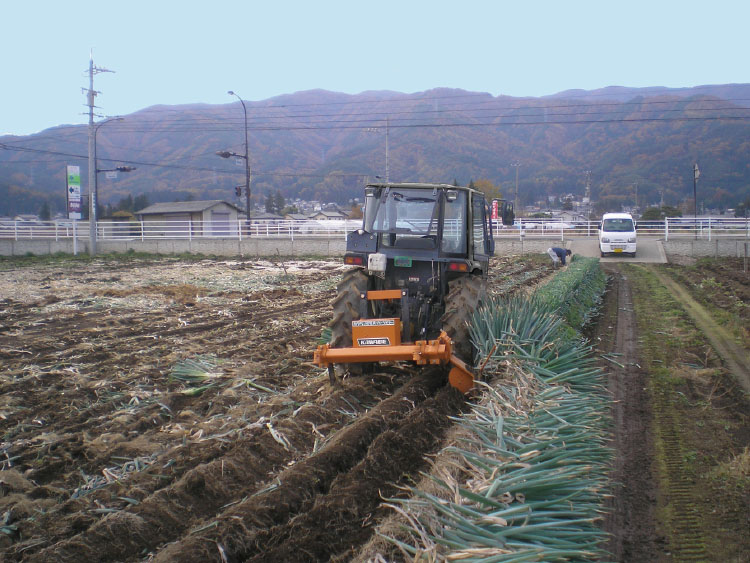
[(93, 185), (227, 154)]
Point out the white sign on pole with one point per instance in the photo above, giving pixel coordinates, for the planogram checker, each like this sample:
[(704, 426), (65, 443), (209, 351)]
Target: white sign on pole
[(73, 192)]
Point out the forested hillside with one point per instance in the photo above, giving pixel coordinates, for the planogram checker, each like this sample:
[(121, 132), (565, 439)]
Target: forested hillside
[(324, 145)]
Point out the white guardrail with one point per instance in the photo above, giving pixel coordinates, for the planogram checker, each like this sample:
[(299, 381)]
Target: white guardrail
[(704, 228)]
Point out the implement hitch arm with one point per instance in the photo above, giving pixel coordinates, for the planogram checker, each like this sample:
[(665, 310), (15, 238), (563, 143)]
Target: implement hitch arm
[(422, 352)]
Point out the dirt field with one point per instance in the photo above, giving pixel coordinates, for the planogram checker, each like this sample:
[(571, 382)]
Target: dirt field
[(168, 410), (109, 453)]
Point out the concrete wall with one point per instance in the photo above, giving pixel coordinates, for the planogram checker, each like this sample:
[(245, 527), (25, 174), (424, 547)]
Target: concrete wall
[(317, 246), (718, 247), (209, 246)]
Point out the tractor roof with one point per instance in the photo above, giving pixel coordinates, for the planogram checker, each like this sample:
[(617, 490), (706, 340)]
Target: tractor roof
[(420, 186)]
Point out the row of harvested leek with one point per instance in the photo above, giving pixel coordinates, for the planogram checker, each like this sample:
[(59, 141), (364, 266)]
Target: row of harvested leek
[(526, 478)]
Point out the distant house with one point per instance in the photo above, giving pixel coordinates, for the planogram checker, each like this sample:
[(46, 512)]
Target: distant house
[(28, 219), (265, 218), (328, 216), (191, 218), (296, 217), (119, 224), (570, 216)]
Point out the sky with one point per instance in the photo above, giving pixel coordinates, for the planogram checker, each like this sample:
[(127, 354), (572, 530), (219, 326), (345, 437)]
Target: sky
[(168, 52)]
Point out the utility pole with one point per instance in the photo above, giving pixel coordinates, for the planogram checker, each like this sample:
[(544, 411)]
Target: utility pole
[(247, 161), (377, 130), (696, 175), (517, 165), (587, 197), (386, 149), (90, 97)]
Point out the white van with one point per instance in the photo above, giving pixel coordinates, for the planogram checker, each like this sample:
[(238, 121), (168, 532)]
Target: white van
[(617, 234)]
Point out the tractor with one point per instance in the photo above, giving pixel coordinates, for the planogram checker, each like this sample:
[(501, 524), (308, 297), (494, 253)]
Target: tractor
[(420, 264)]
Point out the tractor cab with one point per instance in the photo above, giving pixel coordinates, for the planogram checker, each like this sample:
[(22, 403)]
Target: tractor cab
[(416, 218), (439, 223)]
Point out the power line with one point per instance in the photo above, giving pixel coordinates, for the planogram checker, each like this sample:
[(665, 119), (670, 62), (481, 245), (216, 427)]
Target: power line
[(192, 124), (495, 104), (179, 167), (135, 125)]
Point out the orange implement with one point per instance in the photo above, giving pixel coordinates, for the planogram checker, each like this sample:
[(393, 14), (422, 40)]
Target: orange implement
[(379, 294), (423, 352)]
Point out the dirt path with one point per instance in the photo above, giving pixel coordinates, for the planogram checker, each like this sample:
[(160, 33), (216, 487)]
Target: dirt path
[(632, 507), (734, 355), (680, 423)]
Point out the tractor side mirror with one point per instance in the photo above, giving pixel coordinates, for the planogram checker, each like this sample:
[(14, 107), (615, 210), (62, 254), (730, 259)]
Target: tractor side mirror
[(508, 214)]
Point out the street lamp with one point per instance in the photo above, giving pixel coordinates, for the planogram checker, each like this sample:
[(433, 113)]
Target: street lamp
[(227, 154), (93, 189)]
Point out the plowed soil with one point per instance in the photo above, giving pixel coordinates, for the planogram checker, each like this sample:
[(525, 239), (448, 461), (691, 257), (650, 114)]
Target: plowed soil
[(110, 452), (168, 410)]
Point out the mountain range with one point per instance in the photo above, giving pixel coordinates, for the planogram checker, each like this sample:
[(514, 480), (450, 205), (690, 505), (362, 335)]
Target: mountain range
[(321, 145)]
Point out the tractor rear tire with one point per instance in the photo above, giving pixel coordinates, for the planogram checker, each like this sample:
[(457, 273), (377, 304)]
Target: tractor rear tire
[(465, 295), (345, 310)]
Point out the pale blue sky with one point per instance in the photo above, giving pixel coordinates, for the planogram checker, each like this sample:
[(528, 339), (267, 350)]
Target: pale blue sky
[(170, 52)]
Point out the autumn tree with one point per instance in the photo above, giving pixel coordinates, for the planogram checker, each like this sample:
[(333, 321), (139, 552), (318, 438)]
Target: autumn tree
[(743, 209), (490, 190), (657, 213), (140, 202), (275, 203), (44, 212), (288, 210), (126, 204)]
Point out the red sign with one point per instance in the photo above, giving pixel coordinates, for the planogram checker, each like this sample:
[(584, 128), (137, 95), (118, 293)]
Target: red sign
[(494, 209)]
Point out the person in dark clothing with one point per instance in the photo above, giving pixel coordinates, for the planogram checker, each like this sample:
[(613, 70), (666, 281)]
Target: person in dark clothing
[(558, 255)]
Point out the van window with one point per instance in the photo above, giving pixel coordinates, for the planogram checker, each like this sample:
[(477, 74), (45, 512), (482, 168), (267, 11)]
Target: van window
[(624, 225)]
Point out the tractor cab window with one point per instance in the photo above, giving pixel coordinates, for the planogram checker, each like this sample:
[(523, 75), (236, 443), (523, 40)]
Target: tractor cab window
[(405, 218), (454, 227), (479, 225)]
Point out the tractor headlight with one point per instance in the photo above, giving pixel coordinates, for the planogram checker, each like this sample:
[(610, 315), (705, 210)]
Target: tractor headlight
[(376, 262)]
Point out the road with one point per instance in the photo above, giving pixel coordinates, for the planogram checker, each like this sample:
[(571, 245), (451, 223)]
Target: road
[(649, 251)]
